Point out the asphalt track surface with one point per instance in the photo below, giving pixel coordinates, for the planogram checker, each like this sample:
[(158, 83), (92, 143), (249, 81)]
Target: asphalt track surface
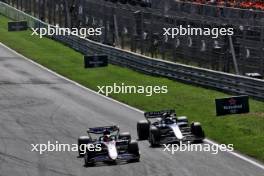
[(37, 106)]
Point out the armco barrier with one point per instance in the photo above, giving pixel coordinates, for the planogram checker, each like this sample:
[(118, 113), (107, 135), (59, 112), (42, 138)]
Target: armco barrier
[(233, 84)]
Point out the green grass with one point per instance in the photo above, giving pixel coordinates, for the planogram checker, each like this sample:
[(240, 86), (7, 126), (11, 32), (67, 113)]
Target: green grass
[(245, 131)]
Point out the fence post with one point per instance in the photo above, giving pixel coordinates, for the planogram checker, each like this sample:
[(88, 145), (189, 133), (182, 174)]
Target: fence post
[(233, 55)]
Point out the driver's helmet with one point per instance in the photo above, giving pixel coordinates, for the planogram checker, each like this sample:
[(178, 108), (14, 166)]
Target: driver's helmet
[(106, 136), (166, 115), (167, 119)]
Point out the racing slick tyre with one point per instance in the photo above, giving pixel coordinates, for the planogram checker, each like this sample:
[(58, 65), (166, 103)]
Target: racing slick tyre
[(143, 130), (125, 136), (154, 136), (197, 130), (87, 161), (134, 149), (81, 148)]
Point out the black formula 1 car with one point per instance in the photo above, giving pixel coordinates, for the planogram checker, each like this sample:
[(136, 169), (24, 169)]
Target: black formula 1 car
[(163, 127), (109, 146)]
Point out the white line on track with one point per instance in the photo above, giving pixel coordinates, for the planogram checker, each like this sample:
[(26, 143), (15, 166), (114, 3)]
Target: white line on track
[(238, 155)]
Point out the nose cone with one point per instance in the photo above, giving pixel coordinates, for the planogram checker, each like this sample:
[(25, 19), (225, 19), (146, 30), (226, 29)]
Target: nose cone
[(177, 131), (112, 151)]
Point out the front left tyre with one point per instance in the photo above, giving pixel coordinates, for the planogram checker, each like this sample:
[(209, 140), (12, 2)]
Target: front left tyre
[(197, 131), (87, 160), (82, 140), (154, 136), (134, 149)]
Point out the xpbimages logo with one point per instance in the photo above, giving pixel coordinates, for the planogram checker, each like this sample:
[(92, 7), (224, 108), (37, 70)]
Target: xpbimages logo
[(188, 147), (191, 31), (129, 89), (59, 147), (51, 30)]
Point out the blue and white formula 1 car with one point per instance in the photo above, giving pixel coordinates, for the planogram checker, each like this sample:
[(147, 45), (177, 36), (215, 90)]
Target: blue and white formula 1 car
[(163, 127), (114, 146)]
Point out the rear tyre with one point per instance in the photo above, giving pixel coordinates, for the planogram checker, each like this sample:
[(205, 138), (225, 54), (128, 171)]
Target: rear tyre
[(143, 130), (81, 147)]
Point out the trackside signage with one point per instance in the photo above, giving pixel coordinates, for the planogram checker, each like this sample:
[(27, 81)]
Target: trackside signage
[(17, 26), (232, 105), (95, 61)]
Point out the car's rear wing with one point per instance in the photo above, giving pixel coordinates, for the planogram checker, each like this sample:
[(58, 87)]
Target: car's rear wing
[(100, 130), (158, 114)]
